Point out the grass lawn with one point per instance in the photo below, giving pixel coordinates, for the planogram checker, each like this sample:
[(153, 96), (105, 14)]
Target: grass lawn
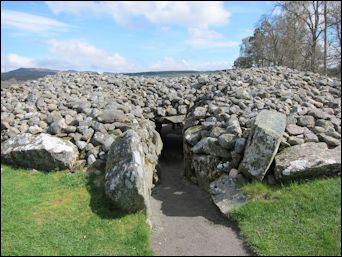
[(297, 219), (60, 213)]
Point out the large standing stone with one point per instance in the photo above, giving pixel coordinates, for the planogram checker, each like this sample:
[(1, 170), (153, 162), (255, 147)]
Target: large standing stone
[(263, 143), (126, 179), (42, 152), (307, 160)]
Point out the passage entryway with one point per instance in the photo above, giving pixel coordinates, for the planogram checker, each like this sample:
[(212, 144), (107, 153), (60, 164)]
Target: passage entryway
[(185, 221)]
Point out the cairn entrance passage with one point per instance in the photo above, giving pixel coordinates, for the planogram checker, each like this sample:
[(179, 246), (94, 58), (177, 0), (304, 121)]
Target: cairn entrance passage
[(185, 221)]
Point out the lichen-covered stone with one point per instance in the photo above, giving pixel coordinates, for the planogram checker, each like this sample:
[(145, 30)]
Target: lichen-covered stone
[(307, 160), (205, 167), (263, 144), (41, 152), (126, 180)]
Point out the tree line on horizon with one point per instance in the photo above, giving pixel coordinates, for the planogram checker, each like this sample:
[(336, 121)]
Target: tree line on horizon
[(303, 35)]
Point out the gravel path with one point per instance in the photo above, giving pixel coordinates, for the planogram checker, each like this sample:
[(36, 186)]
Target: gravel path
[(185, 221)]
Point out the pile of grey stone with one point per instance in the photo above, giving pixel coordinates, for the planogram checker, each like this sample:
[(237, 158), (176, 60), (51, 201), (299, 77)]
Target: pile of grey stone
[(268, 124)]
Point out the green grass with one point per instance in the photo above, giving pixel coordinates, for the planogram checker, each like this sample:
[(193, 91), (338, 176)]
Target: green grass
[(297, 219), (60, 213)]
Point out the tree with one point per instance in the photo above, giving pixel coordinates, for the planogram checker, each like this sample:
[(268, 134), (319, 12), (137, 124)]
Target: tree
[(334, 32), (243, 62), (303, 35), (308, 12)]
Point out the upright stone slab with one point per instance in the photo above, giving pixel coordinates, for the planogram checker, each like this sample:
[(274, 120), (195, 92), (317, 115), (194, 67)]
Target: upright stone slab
[(307, 160), (126, 180), (263, 144), (41, 152)]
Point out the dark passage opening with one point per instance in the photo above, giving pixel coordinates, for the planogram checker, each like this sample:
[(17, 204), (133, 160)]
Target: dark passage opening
[(178, 196), (172, 153), (186, 221)]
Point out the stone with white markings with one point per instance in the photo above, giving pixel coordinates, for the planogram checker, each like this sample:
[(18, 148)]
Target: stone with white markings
[(307, 160), (42, 152)]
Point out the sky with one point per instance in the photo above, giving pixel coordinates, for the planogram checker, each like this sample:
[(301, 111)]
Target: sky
[(125, 36)]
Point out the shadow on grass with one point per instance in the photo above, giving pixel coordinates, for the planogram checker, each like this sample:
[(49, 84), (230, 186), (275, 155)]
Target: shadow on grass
[(100, 204)]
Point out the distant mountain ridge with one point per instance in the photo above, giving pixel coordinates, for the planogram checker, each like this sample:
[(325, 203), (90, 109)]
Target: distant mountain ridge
[(167, 73), (22, 74), (27, 73)]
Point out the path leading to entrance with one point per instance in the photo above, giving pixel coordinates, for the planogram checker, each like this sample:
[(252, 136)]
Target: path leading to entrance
[(185, 221)]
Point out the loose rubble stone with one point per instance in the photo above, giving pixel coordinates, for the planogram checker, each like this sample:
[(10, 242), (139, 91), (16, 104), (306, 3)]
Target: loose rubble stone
[(211, 146), (227, 141), (294, 130)]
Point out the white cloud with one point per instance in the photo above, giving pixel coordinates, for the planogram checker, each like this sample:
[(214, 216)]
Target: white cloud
[(75, 7), (78, 54), (196, 32), (202, 42), (71, 54), (31, 23), (196, 16), (204, 37), (187, 13), (14, 61)]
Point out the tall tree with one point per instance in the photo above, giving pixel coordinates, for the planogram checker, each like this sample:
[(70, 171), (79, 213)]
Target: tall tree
[(310, 13), (325, 37)]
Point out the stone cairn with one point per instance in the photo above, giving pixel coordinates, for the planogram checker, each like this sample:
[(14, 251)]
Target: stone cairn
[(271, 124)]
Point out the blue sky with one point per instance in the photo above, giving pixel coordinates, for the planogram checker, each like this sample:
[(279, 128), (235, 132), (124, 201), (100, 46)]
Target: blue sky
[(125, 36)]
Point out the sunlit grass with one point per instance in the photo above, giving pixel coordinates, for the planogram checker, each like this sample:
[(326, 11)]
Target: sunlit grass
[(297, 219), (61, 213)]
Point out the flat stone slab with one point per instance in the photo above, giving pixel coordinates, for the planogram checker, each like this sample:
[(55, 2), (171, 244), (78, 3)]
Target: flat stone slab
[(263, 143), (226, 194), (41, 152), (171, 119), (307, 160)]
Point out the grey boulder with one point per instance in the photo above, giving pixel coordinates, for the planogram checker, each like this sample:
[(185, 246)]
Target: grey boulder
[(210, 145), (307, 160), (41, 152)]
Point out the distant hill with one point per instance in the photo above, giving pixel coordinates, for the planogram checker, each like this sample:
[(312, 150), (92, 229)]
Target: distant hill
[(27, 73), (168, 73), (23, 74)]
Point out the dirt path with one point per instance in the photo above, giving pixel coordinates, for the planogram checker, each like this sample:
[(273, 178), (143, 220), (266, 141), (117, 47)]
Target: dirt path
[(185, 222)]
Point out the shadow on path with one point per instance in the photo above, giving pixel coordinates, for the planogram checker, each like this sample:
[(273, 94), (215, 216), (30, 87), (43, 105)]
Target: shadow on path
[(183, 209)]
